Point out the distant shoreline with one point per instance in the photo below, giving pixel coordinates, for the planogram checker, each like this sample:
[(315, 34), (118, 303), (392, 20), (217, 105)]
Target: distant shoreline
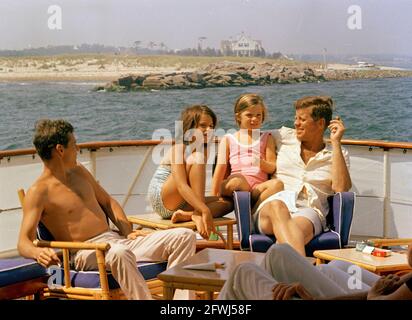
[(56, 77), (106, 68)]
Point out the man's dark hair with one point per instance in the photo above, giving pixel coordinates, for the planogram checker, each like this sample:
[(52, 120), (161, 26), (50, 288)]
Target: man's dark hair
[(49, 133), (322, 107)]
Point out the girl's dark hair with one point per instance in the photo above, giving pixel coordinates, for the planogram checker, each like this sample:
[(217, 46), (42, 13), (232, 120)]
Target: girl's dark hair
[(191, 116)]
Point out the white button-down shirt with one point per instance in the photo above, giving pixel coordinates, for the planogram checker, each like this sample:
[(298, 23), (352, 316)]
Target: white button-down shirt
[(315, 176)]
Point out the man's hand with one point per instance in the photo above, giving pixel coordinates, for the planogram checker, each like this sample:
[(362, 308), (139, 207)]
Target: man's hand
[(47, 257), (138, 233), (337, 129), (385, 285), (284, 291)]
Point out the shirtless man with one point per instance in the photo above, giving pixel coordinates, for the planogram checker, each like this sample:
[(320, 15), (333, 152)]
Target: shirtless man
[(73, 207)]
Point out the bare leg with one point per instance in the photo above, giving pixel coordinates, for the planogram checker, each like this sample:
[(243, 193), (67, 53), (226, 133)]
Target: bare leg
[(196, 176), (181, 216), (275, 219), (264, 190), (235, 182), (219, 206), (196, 173)]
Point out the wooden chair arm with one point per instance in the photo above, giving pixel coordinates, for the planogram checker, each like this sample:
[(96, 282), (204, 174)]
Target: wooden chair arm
[(390, 242), (133, 222), (72, 245), (100, 249)]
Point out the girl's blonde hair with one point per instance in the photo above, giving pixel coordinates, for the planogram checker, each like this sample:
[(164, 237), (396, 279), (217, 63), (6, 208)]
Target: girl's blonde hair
[(249, 100)]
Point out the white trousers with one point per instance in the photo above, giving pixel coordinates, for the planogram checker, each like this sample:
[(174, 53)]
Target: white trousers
[(283, 264), (173, 245)]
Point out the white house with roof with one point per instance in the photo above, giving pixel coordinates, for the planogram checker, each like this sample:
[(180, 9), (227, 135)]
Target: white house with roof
[(242, 46)]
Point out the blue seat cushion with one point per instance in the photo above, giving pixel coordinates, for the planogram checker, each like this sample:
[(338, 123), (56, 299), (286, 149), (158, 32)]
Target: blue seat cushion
[(324, 241), (261, 242), (18, 270), (91, 279)]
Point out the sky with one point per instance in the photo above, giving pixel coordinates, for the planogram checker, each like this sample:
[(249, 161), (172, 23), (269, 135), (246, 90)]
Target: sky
[(288, 26)]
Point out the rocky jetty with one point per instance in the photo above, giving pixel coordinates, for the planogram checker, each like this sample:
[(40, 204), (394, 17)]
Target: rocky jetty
[(216, 75), (233, 74)]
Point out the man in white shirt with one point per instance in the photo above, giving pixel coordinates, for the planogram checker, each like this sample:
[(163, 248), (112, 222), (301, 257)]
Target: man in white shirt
[(310, 170)]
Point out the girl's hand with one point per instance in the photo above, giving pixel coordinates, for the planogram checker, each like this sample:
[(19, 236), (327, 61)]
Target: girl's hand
[(204, 223), (207, 220)]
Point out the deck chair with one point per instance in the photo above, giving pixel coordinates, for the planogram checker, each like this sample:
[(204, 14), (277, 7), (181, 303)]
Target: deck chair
[(339, 222), (65, 282), (20, 277)]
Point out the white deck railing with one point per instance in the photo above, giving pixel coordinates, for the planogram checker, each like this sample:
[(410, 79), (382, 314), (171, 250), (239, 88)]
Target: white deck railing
[(381, 174)]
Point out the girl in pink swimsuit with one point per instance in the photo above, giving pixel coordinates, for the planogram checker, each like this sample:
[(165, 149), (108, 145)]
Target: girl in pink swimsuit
[(247, 158)]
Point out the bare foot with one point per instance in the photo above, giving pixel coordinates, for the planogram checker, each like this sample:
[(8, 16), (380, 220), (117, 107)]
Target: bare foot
[(181, 216), (197, 219)]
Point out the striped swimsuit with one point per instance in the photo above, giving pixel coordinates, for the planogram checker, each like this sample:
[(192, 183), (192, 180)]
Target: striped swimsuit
[(155, 192)]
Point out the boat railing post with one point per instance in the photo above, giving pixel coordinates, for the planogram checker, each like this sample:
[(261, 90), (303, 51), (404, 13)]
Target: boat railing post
[(137, 175), (386, 191), (93, 162)]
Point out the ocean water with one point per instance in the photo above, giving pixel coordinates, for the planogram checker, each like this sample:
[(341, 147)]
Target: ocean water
[(372, 109)]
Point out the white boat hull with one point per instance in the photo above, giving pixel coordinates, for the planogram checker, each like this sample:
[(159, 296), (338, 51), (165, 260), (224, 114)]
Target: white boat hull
[(382, 180)]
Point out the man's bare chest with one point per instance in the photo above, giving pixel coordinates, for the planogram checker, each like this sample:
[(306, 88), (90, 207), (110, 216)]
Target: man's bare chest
[(73, 195)]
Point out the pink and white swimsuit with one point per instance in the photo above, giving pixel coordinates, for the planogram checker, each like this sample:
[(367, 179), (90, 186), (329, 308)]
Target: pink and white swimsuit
[(241, 159)]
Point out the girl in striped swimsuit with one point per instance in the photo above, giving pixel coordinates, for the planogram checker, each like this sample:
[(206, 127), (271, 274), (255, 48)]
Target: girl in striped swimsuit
[(177, 189)]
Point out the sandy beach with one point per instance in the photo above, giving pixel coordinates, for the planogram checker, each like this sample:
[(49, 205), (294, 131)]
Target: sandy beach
[(345, 67), (84, 74), (75, 69), (106, 68)]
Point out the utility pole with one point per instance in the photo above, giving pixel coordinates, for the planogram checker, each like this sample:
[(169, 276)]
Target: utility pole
[(325, 67)]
